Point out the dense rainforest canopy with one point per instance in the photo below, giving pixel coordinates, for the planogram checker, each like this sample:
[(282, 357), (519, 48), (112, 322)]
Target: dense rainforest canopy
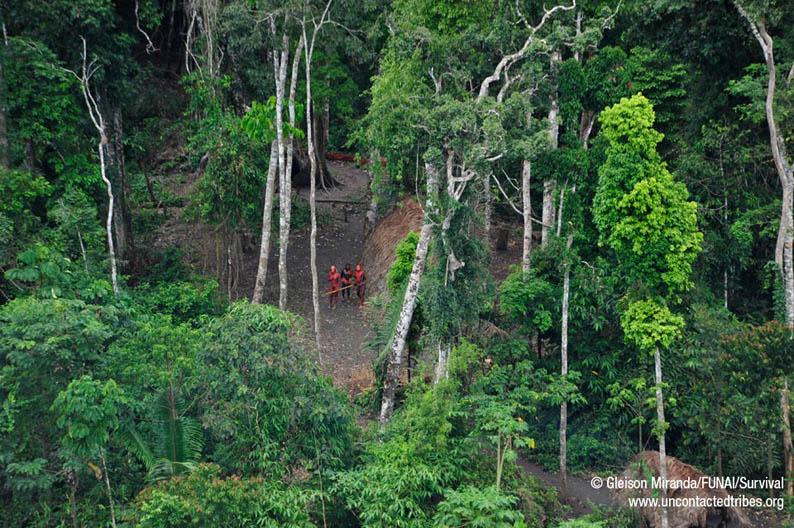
[(575, 228)]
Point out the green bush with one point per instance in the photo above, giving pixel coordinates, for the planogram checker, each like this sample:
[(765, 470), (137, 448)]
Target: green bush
[(184, 301), (403, 262), (263, 405), (481, 507), (207, 498)]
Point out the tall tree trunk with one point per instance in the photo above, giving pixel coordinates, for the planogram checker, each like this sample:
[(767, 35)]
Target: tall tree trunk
[(783, 165), (586, 126), (785, 239), (560, 210), (267, 219), (3, 127), (99, 124), (321, 146), (122, 218), (280, 69), (788, 449), (72, 478), (109, 219), (372, 214), (309, 51), (550, 186), (108, 490), (285, 179), (526, 180), (409, 301), (442, 372), (488, 206), (566, 288), (661, 424)]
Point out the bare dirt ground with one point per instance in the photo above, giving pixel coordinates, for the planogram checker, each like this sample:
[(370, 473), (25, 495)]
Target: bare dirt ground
[(579, 495), (340, 240)]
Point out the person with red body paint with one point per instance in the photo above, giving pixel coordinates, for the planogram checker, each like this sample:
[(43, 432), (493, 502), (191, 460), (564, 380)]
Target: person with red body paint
[(333, 283), (361, 284)]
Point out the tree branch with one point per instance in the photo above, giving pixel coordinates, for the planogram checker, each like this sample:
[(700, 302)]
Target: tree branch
[(508, 60), (150, 47)]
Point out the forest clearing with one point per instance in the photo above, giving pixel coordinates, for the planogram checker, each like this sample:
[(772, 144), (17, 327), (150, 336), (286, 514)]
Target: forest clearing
[(396, 263)]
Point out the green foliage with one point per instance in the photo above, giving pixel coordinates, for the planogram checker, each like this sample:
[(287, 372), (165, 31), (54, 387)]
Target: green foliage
[(486, 508), (165, 376), (498, 423), (177, 443), (642, 214), (662, 80), (394, 487), (605, 517), (658, 228), (263, 407), (649, 324), (44, 111), (401, 477), (206, 498), (258, 121), (44, 345), (581, 523), (21, 190), (229, 191), (403, 262), (527, 301), (88, 412), (464, 361), (184, 301), (47, 273)]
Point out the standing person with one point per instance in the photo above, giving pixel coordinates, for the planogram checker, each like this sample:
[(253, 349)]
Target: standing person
[(347, 281), (333, 283), (361, 284)]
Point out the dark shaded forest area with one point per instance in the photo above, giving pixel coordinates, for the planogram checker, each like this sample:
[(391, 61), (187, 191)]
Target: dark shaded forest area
[(576, 226)]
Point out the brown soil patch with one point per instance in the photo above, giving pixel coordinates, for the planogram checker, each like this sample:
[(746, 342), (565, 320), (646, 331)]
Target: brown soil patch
[(391, 230)]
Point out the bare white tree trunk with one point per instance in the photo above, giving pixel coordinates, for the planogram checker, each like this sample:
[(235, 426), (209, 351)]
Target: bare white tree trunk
[(784, 250), (109, 219), (560, 210), (267, 218), (547, 218), (488, 205), (95, 114), (442, 372), (309, 52), (661, 424), (566, 289), (586, 126), (526, 180), (280, 70), (285, 174), (550, 186), (409, 301)]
